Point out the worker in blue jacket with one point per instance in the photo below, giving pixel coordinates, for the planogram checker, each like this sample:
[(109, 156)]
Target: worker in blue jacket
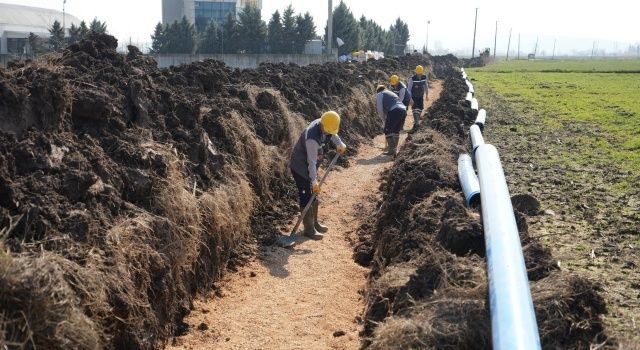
[(419, 87)]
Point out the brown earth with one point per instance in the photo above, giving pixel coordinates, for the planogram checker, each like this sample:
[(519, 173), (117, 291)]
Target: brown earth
[(308, 297)]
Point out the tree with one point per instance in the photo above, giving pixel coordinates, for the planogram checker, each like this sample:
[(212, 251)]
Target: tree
[(84, 30), (56, 39), (229, 43), (400, 31), (74, 34), (275, 33), (210, 39), (252, 30), (186, 37), (345, 27), (158, 39), (306, 30), (98, 27), (289, 30), (34, 44)]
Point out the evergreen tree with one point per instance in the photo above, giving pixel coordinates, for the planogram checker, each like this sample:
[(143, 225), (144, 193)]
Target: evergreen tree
[(252, 30), (274, 33), (186, 37), (84, 30), (56, 39), (229, 42), (306, 30), (171, 38), (34, 43), (74, 34), (210, 40), (289, 30), (98, 27), (400, 31), (158, 39), (345, 27)]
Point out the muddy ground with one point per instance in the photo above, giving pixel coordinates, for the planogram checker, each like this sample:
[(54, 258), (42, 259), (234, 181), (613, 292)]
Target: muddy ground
[(126, 189), (427, 287)]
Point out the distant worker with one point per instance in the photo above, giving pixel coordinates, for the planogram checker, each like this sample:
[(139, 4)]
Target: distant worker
[(393, 112), (419, 87), (305, 160), (400, 89)]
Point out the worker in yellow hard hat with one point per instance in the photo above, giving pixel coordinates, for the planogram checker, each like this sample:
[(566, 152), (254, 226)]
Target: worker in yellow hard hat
[(419, 88), (393, 112), (305, 160), (400, 89)]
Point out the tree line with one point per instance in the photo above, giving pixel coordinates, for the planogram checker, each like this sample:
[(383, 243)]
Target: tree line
[(285, 33), (58, 38)]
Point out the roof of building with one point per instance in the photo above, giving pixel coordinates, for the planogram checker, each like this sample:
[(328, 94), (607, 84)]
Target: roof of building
[(20, 18)]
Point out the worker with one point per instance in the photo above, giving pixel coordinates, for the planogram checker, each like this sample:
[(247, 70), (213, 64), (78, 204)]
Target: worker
[(400, 89), (419, 87), (393, 112), (304, 163)]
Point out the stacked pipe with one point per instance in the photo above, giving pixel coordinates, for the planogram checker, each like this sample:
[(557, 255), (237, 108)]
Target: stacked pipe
[(513, 322)]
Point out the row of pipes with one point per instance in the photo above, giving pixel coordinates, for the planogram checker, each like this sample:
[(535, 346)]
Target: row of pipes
[(513, 321)]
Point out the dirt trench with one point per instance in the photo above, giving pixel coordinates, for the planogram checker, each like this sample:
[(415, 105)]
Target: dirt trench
[(308, 297)]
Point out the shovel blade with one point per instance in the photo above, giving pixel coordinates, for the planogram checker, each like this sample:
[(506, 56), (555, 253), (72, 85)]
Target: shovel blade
[(287, 241)]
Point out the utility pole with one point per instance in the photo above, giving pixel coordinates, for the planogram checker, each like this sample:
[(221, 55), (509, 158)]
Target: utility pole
[(509, 43), (593, 48), (518, 46), (475, 25), (553, 55), (330, 28), (535, 49), (427, 47), (64, 17), (495, 42)]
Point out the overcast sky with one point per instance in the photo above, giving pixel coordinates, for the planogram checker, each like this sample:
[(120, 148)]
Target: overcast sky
[(575, 24)]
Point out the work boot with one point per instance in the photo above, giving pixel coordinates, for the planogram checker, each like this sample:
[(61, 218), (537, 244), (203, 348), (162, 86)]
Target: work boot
[(318, 226), (416, 120), (387, 150), (393, 144), (309, 227)]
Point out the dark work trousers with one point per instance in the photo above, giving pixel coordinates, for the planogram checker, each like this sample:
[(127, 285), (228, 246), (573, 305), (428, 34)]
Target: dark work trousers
[(418, 102), (395, 121), (304, 189)]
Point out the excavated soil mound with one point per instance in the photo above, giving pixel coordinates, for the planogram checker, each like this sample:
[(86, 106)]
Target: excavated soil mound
[(125, 189), (428, 286)]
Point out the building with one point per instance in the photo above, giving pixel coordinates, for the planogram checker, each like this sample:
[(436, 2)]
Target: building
[(17, 22), (202, 12)]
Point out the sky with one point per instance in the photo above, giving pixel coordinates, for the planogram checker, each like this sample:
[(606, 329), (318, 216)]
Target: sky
[(574, 25)]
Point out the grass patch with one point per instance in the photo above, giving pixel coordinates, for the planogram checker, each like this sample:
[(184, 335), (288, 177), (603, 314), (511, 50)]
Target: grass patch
[(565, 66)]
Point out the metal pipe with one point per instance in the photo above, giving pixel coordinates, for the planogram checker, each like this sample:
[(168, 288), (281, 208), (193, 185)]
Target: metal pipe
[(468, 180), (481, 118), (469, 97), (476, 137), (513, 321), (464, 75), (474, 104)]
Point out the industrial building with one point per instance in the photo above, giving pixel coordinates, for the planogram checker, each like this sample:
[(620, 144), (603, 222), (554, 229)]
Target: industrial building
[(17, 22), (202, 12)]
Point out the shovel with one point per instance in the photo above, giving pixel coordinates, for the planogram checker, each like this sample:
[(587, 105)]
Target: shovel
[(290, 240)]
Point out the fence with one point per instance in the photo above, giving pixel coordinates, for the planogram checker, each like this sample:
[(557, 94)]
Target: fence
[(243, 61)]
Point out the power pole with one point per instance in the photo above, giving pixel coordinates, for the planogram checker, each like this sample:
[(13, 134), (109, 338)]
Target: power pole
[(553, 55), (509, 43), (330, 28), (64, 17), (427, 47), (535, 50), (495, 41), (475, 24), (593, 48), (518, 46)]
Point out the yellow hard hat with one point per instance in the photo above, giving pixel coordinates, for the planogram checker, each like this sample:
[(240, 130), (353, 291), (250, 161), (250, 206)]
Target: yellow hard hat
[(394, 80), (330, 122), (380, 88), (419, 70)]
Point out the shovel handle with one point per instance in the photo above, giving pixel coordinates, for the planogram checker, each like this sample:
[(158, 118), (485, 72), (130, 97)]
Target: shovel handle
[(313, 196)]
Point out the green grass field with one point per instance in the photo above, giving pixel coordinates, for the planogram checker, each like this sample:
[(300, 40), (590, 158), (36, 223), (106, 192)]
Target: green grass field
[(605, 103), (565, 66)]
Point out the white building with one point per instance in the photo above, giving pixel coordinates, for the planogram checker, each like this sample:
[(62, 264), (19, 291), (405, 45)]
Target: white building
[(17, 22), (202, 12)]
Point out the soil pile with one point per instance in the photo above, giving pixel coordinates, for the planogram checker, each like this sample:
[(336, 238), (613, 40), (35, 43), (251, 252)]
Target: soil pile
[(428, 286), (125, 189)]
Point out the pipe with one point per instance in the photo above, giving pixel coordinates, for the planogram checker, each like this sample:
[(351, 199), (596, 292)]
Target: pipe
[(462, 69), (513, 321), (469, 97), (474, 104), (481, 118), (470, 87), (464, 75), (468, 180), (476, 137)]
